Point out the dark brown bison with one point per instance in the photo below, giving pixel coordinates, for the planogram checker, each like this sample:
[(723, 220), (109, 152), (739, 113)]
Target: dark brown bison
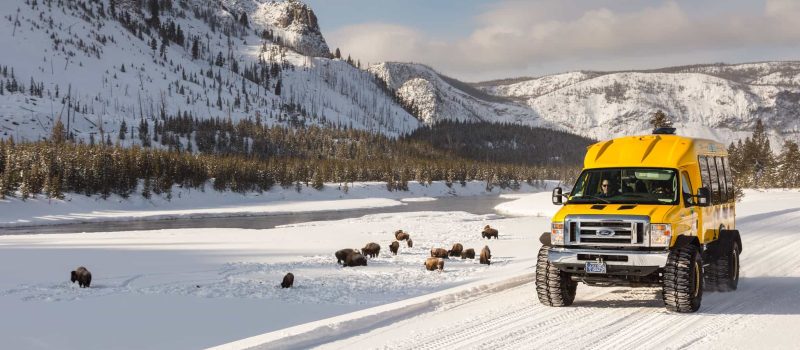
[(355, 259), (456, 251), (288, 280), (489, 232), (432, 264), (439, 253), (401, 236), (468, 254), (394, 247), (410, 243), (371, 249), (342, 254), (486, 254), (83, 276)]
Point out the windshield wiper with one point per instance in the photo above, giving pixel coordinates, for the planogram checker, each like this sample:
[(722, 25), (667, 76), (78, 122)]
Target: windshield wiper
[(606, 201)]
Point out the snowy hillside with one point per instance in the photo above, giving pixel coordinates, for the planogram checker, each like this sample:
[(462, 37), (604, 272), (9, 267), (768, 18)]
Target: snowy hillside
[(436, 97), (716, 101), (96, 64)]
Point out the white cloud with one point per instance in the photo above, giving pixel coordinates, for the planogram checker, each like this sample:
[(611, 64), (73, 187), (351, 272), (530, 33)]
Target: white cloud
[(517, 37)]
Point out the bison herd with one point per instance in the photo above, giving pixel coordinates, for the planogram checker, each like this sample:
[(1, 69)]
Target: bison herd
[(349, 257), (353, 257)]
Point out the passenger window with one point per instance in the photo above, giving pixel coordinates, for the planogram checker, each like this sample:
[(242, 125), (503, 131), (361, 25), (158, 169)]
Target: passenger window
[(729, 180), (723, 190), (686, 185), (701, 161), (714, 179)]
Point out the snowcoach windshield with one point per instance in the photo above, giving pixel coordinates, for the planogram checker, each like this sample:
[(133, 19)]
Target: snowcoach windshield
[(626, 186)]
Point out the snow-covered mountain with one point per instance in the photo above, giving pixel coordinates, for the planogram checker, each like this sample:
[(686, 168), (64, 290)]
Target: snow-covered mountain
[(717, 101), (97, 63), (436, 97)]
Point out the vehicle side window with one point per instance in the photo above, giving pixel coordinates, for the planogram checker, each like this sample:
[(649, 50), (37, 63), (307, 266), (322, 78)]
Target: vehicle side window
[(686, 186), (704, 176), (729, 180), (723, 190), (714, 179)]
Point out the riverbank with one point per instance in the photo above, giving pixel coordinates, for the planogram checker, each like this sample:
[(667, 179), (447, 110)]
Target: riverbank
[(184, 203)]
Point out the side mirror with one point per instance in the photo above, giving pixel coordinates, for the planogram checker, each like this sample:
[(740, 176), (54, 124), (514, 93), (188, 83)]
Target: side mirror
[(703, 197), (557, 193)]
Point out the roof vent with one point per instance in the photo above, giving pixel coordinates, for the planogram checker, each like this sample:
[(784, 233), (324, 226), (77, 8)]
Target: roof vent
[(664, 131)]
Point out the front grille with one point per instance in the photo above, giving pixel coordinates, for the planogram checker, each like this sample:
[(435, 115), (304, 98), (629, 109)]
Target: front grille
[(599, 230), (604, 257)]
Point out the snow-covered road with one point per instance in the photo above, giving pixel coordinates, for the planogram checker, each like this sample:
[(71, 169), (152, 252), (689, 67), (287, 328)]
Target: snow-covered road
[(763, 313)]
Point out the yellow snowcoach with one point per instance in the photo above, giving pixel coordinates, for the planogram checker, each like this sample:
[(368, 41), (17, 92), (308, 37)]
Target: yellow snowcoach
[(651, 211)]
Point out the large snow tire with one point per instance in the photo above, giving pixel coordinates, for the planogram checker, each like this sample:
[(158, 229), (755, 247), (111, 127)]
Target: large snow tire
[(554, 287), (683, 280), (723, 274)]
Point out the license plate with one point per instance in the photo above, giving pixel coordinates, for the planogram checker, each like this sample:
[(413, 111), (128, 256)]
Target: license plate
[(596, 267)]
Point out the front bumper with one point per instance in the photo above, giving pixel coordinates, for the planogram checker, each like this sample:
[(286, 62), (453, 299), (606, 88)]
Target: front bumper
[(630, 263)]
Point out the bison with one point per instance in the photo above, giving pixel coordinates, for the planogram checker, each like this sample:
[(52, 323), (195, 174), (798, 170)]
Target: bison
[(468, 254), (371, 249), (439, 253), (456, 251), (394, 247), (288, 280), (486, 254), (489, 232), (342, 254), (401, 236), (355, 259), (82, 276), (410, 243), (432, 264)]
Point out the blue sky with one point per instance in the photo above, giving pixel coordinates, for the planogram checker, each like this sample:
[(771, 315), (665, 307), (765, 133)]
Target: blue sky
[(479, 40)]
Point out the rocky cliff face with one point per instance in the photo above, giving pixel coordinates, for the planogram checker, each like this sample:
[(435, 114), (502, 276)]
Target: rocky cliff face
[(292, 21), (436, 97)]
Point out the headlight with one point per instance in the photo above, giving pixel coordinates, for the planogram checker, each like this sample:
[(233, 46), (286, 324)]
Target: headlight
[(660, 235), (557, 233)]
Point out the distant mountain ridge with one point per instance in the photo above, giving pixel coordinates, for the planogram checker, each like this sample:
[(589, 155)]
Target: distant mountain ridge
[(103, 64), (718, 101)]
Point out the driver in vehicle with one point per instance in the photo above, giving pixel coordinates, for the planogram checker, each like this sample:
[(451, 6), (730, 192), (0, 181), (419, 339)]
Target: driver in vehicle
[(605, 191)]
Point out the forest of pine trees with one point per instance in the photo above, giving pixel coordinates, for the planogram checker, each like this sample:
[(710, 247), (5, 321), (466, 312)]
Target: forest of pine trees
[(245, 157), (755, 165)]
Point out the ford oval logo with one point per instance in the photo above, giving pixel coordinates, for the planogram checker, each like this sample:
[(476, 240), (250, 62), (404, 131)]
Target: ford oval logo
[(605, 232)]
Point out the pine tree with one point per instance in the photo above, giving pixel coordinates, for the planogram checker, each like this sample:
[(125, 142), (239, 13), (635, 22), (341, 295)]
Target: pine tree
[(58, 134), (660, 120), (789, 166), (243, 20), (337, 54), (278, 87), (761, 156), (154, 12), (123, 129), (195, 49)]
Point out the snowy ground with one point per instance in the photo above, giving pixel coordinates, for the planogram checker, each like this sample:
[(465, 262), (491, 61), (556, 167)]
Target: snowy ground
[(186, 203), (763, 313), (191, 288)]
